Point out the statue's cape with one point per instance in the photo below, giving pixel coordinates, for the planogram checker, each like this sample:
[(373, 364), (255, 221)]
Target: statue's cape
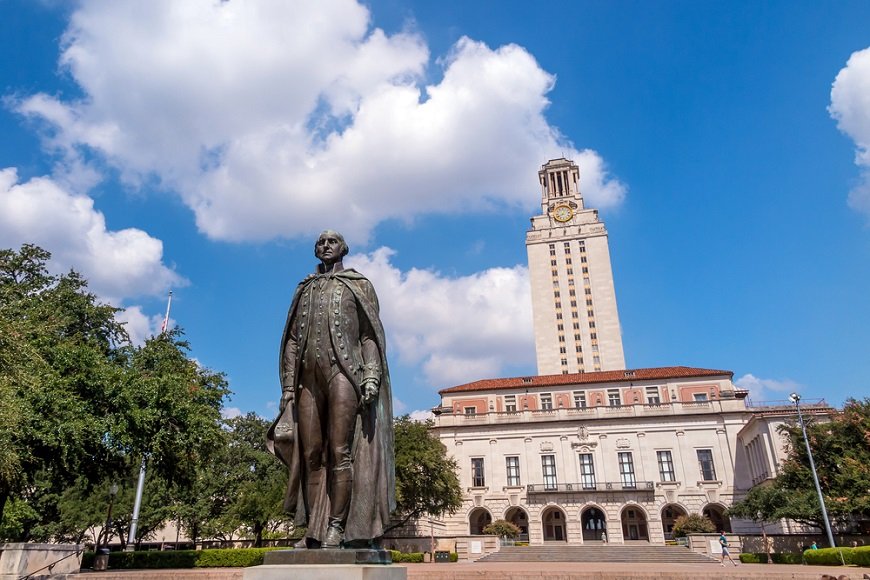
[(374, 488)]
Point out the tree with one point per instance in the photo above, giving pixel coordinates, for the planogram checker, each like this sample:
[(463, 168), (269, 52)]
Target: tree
[(426, 481), (57, 359), (80, 405), (502, 529), (260, 479), (692, 524), (841, 450)]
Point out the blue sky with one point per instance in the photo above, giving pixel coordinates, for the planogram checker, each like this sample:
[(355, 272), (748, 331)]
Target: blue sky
[(200, 146)]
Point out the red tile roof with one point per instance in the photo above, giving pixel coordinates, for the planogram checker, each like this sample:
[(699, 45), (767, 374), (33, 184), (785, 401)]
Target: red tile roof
[(660, 373)]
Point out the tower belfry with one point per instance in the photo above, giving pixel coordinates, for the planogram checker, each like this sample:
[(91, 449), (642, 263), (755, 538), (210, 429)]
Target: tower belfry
[(576, 321)]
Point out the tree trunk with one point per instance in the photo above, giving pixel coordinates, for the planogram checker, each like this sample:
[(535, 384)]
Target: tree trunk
[(4, 495), (258, 535)]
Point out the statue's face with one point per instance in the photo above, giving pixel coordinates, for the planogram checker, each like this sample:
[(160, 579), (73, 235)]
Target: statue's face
[(330, 248)]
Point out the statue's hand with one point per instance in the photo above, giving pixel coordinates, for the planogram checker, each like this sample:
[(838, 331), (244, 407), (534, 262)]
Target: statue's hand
[(369, 390), (288, 397)]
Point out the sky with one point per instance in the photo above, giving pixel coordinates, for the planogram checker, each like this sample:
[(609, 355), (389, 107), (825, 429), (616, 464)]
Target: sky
[(201, 146)]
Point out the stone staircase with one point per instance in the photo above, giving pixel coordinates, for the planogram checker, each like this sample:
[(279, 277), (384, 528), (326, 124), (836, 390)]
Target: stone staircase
[(639, 552)]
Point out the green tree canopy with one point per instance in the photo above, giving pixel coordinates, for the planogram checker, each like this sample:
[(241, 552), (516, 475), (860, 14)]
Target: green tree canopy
[(693, 524), (80, 405), (841, 450), (426, 480)]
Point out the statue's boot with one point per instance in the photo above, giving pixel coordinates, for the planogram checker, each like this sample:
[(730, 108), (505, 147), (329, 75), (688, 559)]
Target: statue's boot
[(339, 499)]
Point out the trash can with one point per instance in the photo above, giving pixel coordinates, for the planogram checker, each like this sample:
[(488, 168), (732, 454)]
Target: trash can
[(101, 560), (442, 556)]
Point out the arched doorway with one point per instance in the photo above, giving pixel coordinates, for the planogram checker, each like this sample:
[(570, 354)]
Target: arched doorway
[(670, 513), (594, 524), (634, 524), (478, 519), (716, 514), (518, 517), (554, 525)]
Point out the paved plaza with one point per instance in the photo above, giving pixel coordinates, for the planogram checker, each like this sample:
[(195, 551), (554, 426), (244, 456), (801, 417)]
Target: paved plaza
[(534, 571)]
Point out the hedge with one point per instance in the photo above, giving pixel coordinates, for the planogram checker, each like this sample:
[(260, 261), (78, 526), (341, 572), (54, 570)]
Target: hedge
[(777, 558), (861, 556), (410, 558), (828, 556), (217, 558)]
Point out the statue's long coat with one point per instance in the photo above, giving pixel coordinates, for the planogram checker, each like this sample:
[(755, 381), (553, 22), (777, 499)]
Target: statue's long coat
[(373, 497)]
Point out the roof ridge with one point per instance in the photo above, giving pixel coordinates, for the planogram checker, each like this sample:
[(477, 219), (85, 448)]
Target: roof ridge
[(646, 373)]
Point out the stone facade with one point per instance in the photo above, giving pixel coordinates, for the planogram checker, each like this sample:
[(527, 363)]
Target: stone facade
[(613, 456), (576, 322)]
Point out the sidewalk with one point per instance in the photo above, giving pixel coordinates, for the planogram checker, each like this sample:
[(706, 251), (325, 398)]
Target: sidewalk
[(533, 571)]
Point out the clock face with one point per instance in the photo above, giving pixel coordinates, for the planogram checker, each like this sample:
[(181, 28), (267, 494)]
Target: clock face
[(563, 213)]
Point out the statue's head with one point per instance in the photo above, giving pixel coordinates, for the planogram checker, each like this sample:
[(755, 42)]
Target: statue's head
[(330, 247)]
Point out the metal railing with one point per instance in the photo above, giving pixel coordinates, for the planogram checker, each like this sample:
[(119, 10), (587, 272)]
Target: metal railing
[(606, 486)]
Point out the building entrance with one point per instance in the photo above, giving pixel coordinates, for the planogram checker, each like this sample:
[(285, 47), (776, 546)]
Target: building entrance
[(594, 524), (554, 525), (634, 524), (670, 513), (478, 519), (518, 517)]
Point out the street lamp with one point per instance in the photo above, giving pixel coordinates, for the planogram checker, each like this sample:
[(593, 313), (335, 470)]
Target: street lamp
[(101, 559), (796, 400)]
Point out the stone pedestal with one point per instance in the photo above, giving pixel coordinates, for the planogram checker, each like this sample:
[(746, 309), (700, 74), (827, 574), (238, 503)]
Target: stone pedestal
[(326, 557), (40, 560), (327, 565), (326, 572)]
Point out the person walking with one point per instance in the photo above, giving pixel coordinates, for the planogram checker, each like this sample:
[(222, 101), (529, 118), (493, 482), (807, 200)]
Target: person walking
[(723, 541)]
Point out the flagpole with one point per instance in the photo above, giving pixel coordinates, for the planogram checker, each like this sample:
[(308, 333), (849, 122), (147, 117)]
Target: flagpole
[(165, 326), (134, 523)]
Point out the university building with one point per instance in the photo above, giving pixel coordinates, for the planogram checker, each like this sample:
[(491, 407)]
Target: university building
[(587, 450)]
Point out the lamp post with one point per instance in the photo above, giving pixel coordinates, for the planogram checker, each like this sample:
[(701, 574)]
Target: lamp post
[(796, 400), (101, 559)]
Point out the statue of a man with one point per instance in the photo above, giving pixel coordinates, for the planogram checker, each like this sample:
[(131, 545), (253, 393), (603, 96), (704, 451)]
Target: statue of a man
[(334, 430)]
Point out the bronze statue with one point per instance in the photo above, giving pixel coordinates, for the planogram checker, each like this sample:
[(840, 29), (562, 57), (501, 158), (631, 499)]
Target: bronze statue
[(334, 430)]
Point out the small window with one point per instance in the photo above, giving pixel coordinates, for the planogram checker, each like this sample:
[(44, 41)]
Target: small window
[(471, 410), (547, 402), (652, 396), (477, 474), (512, 464), (666, 466), (587, 471), (613, 396), (705, 462), (626, 470), (700, 397), (510, 403), (580, 400), (548, 466)]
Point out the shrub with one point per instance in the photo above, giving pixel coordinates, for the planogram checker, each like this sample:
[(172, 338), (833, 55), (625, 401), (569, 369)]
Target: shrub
[(454, 557), (502, 528), (787, 558), (693, 524), (231, 558), (828, 556), (861, 556), (777, 558), (411, 558), (219, 558)]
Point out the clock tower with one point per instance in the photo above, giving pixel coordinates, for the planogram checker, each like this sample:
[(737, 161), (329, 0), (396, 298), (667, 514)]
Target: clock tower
[(576, 322)]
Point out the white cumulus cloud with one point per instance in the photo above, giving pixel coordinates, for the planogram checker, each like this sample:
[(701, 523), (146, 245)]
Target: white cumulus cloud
[(850, 106), (118, 264), (271, 118), (767, 389), (459, 328)]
